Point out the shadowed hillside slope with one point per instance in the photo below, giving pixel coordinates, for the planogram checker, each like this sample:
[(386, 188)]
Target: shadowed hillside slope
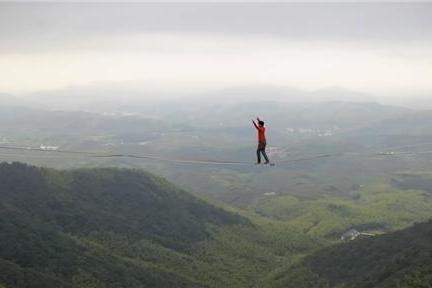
[(399, 259)]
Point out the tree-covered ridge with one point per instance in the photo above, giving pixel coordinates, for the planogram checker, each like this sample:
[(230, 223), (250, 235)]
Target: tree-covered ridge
[(130, 202), (81, 228), (399, 259)]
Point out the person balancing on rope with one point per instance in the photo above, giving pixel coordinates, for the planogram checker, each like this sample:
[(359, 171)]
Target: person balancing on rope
[(261, 141)]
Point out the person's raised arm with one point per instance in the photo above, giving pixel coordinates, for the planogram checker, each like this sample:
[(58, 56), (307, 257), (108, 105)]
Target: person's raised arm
[(256, 126)]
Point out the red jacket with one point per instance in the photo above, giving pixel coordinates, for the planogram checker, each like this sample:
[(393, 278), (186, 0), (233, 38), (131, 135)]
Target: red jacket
[(261, 134)]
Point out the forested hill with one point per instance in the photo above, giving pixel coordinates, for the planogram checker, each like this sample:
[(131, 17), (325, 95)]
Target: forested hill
[(84, 228), (400, 259)]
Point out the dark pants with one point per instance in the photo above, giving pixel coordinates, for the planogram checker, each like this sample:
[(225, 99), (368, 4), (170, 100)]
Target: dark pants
[(261, 150)]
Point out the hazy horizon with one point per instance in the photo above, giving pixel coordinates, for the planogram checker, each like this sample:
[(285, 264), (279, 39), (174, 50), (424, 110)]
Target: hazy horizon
[(381, 49)]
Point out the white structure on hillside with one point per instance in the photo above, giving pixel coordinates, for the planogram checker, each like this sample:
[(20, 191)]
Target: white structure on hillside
[(350, 235), (353, 234)]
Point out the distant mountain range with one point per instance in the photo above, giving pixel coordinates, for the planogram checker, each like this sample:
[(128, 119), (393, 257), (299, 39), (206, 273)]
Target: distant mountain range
[(109, 97)]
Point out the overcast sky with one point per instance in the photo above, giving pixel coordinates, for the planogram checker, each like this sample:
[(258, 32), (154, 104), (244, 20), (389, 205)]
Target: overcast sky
[(384, 49)]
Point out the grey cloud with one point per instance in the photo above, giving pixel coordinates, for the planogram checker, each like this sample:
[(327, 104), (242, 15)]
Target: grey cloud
[(26, 26)]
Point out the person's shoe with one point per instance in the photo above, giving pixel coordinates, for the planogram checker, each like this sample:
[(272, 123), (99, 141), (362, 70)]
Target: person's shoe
[(257, 163), (266, 162)]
